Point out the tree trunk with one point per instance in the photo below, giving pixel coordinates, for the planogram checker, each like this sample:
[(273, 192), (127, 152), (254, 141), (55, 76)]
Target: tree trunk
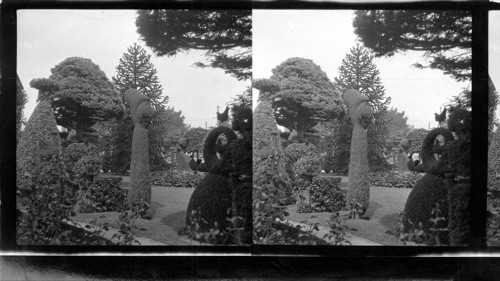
[(79, 128)]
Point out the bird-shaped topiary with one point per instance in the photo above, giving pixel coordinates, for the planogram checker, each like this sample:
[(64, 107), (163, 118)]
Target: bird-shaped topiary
[(223, 198)]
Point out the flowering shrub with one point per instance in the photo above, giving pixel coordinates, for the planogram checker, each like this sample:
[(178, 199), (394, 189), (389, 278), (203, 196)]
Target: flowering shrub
[(176, 179), (394, 179), (104, 195)]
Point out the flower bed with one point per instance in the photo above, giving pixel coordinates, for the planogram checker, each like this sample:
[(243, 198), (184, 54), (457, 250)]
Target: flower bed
[(176, 179), (394, 179)]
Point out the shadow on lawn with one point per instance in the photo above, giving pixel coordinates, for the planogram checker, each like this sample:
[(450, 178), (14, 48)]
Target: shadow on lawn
[(371, 210), (176, 221)]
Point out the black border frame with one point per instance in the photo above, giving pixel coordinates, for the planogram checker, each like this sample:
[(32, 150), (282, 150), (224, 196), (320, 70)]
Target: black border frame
[(479, 10)]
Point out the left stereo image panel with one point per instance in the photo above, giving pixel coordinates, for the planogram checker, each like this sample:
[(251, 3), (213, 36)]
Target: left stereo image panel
[(134, 127)]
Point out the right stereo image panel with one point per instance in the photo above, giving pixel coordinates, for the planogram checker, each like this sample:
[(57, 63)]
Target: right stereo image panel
[(362, 127), (493, 199)]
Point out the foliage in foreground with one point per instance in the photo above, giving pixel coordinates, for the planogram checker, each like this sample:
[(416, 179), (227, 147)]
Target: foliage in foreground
[(104, 195)]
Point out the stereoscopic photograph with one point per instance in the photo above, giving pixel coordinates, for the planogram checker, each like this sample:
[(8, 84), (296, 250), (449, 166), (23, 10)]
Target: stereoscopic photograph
[(362, 127), (134, 127)]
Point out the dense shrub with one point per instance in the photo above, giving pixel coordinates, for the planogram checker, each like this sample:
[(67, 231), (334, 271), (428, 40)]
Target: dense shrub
[(46, 200), (429, 191), (211, 200), (267, 143), (86, 169), (295, 151), (326, 195), (307, 168), (494, 162), (176, 179), (267, 212), (104, 195), (75, 151), (40, 134), (416, 137), (394, 179), (195, 138)]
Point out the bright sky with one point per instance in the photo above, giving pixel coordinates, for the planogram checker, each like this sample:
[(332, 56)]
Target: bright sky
[(494, 51), (47, 37), (326, 36)]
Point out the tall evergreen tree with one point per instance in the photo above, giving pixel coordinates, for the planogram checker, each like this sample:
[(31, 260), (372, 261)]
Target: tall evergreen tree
[(135, 71), (360, 73), (445, 37)]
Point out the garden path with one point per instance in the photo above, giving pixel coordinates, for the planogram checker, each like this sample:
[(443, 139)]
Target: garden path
[(168, 207), (382, 216)]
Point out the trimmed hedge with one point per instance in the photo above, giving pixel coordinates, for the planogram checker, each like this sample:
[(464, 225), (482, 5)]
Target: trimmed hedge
[(176, 179), (104, 195), (394, 179)]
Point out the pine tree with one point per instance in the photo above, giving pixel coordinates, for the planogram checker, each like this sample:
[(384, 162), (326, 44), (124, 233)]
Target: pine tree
[(360, 73), (135, 71)]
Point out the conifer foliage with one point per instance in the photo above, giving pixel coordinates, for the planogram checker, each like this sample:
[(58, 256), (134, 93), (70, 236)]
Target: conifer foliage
[(80, 93), (358, 72), (136, 71)]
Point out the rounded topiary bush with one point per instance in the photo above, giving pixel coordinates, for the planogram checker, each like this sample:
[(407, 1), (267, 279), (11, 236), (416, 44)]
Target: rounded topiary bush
[(76, 151), (494, 162), (295, 151), (307, 168), (86, 169), (211, 200), (429, 191)]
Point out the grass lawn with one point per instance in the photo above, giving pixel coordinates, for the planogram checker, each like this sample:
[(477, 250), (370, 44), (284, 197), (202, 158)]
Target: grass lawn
[(381, 216), (168, 207)]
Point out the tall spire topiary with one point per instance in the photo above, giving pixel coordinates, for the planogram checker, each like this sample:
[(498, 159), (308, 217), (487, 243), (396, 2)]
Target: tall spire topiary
[(361, 117), (267, 143), (141, 113), (40, 137)]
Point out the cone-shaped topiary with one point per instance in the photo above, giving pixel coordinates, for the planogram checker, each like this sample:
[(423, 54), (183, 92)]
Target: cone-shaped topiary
[(358, 191), (267, 143), (141, 113), (494, 162), (40, 136)]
